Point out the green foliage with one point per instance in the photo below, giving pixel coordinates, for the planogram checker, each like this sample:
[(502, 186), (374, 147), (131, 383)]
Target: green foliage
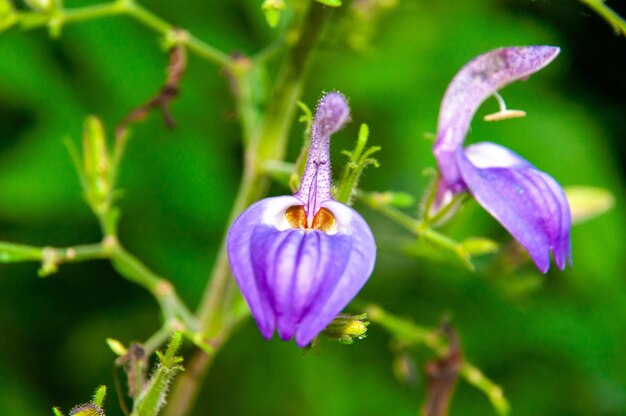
[(272, 10), (153, 396), (180, 185), (330, 3), (587, 202), (359, 159), (346, 328)]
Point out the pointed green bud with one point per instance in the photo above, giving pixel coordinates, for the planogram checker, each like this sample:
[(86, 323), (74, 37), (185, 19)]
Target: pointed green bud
[(476, 246), (99, 396), (331, 3), (50, 262), (346, 328), (57, 411), (97, 164), (587, 202), (272, 10), (152, 398), (116, 346)]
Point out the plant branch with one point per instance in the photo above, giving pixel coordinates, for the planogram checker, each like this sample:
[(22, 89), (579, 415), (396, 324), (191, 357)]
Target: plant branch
[(413, 335), (60, 17), (220, 308)]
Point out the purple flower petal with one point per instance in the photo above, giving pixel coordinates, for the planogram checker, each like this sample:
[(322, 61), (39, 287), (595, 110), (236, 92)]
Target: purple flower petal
[(527, 202), (475, 82), (333, 296), (269, 211), (297, 281)]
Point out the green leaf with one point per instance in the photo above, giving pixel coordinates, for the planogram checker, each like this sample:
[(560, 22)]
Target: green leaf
[(587, 202), (8, 17), (358, 160), (272, 10), (152, 398), (331, 3), (477, 246)]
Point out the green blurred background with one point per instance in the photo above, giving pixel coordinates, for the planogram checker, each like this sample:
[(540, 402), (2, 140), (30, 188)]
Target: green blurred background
[(556, 343)]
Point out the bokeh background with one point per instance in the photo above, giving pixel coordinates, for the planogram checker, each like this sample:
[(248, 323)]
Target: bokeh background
[(556, 343)]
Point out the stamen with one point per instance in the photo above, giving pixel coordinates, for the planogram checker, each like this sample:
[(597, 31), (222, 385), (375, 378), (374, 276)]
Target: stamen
[(322, 221), (504, 113)]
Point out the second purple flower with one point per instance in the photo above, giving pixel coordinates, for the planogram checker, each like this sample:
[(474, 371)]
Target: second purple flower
[(529, 203)]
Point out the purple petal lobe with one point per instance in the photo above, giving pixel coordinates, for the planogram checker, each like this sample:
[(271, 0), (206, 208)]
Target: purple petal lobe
[(527, 202), (332, 295), (297, 281), (269, 212), (475, 82)]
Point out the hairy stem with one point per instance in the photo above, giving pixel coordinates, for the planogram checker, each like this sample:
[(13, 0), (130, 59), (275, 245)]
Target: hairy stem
[(131, 8), (265, 142), (412, 334)]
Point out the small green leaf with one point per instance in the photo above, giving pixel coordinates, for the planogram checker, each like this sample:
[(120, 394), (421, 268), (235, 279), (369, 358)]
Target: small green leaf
[(8, 17), (272, 10), (587, 202), (116, 346), (152, 398), (346, 328), (57, 411), (331, 3), (99, 396), (358, 160), (477, 246)]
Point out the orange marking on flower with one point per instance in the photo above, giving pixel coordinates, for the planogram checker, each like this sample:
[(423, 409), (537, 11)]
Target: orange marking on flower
[(323, 219)]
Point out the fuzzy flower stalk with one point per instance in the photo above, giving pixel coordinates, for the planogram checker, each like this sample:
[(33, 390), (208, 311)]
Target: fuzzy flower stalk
[(299, 260), (529, 203)]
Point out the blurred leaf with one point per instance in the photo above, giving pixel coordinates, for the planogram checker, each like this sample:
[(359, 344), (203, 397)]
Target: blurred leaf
[(272, 10), (8, 17), (587, 202), (477, 246), (331, 3)]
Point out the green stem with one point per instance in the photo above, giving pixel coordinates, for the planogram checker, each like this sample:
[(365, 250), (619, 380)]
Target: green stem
[(97, 11), (417, 227), (268, 142), (131, 8), (412, 334), (157, 339), (12, 253), (135, 271)]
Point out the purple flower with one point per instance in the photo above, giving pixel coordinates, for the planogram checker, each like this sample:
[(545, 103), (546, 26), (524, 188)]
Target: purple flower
[(299, 260), (529, 203)]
